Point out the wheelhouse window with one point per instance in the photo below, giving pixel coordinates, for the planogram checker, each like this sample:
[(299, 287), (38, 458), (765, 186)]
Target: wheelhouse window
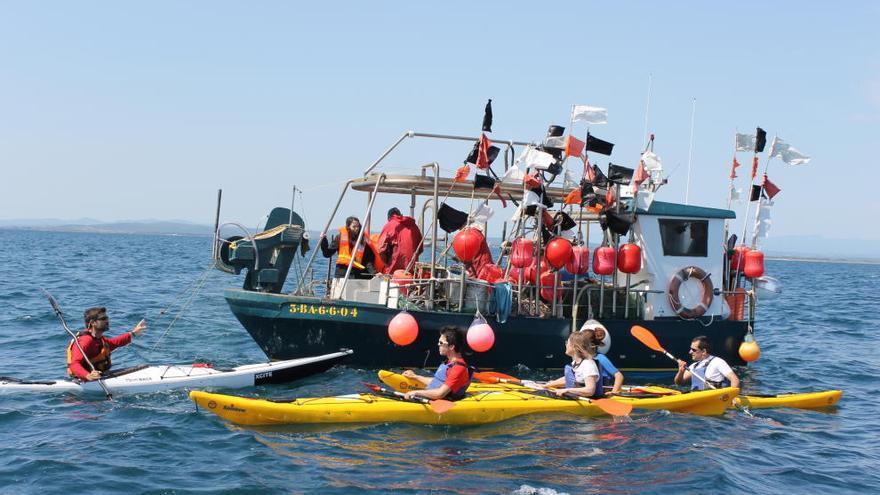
[(684, 237)]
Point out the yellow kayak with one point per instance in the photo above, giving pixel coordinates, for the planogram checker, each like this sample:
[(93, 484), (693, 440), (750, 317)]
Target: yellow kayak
[(704, 403), (806, 400), (477, 408)]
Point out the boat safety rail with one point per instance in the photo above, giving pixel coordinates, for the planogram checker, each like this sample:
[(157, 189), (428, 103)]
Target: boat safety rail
[(247, 236)]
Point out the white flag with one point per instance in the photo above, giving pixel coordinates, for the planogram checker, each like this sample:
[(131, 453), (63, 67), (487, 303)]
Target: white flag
[(745, 142), (763, 221), (555, 142), (536, 158), (570, 181), (735, 194), (588, 114), (482, 214), (513, 175), (652, 162), (787, 153)]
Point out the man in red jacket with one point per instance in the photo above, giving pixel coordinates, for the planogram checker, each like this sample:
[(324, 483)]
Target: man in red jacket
[(97, 347), (400, 241)]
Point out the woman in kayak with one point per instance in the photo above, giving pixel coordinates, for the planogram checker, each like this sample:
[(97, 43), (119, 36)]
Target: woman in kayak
[(707, 371), (582, 375), (611, 377), (452, 377), (97, 348)]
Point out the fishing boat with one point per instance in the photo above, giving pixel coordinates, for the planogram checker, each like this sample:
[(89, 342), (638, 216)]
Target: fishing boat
[(149, 379), (667, 266)]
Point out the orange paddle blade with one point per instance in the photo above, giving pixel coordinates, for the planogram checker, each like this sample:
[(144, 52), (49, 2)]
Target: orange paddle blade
[(646, 337), (613, 407), (440, 406), (492, 376)]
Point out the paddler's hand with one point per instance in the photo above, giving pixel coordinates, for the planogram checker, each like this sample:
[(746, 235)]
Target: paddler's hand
[(410, 395), (409, 374), (140, 327), (559, 391), (681, 365), (94, 375)]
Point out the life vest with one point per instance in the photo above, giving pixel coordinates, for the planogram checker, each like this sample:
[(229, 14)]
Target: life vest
[(101, 361), (440, 379), (606, 379), (698, 371), (344, 255), (571, 380)]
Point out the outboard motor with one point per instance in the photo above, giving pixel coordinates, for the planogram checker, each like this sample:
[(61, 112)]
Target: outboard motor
[(266, 257)]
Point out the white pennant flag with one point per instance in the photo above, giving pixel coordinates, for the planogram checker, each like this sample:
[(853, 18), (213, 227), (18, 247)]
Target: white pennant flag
[(513, 175), (555, 142), (787, 153), (482, 214), (763, 221), (735, 194), (745, 142), (652, 162), (536, 158), (570, 181), (588, 114)]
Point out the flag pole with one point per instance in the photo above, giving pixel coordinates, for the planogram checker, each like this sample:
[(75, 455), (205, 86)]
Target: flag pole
[(647, 109)]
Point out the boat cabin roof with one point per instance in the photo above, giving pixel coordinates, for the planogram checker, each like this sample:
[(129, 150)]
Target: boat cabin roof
[(662, 208)]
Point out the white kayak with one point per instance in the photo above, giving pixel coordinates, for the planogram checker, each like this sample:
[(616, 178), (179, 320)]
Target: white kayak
[(146, 379)]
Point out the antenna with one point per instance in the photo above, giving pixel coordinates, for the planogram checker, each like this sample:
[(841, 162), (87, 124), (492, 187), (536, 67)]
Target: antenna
[(687, 193), (647, 110)]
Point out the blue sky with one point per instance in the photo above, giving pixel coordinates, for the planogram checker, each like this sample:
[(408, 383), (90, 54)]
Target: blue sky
[(117, 111)]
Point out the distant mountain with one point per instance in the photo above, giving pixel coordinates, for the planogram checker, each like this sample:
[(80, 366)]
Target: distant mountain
[(126, 227)]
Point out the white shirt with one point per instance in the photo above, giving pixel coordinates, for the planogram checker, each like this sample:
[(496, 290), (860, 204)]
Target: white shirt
[(586, 368), (716, 371)]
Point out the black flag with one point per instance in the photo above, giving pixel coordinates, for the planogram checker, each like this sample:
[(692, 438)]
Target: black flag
[(619, 174), (599, 146), (491, 154), (757, 192), (487, 117), (483, 182), (450, 219), (760, 140)]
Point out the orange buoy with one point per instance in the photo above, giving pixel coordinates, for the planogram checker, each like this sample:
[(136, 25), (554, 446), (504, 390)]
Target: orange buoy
[(754, 264), (558, 252), (749, 350), (522, 252), (629, 258), (403, 329), (737, 261), (402, 279), (467, 244), (604, 260), (579, 264)]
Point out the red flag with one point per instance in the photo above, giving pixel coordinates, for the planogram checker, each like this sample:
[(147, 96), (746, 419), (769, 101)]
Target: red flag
[(531, 181), (754, 167), (573, 146), (770, 188), (483, 153), (546, 218), (588, 169), (609, 196), (462, 173), (497, 191), (640, 176), (574, 197), (733, 169)]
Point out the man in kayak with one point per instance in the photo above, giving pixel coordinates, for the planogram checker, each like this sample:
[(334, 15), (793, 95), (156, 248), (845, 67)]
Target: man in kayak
[(452, 377), (367, 261), (399, 242), (707, 371), (97, 347), (610, 375)]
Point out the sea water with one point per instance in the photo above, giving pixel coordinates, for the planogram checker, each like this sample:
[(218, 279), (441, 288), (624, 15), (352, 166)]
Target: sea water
[(821, 333)]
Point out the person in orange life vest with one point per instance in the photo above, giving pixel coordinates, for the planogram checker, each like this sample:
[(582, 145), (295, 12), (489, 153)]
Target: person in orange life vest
[(97, 347), (399, 242), (366, 261), (452, 377)]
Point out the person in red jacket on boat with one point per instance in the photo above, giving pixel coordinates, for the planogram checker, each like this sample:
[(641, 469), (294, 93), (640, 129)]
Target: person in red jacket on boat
[(399, 242), (97, 347), (452, 377)]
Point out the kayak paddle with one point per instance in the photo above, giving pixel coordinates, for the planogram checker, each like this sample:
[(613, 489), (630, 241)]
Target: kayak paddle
[(439, 406), (645, 336), (60, 316), (610, 406)]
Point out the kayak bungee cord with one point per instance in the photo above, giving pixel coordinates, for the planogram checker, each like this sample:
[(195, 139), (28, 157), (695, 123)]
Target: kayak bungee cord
[(88, 361)]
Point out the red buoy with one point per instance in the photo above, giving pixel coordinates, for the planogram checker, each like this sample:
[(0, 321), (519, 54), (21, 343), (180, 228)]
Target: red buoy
[(403, 329), (530, 274), (402, 278), (522, 252), (579, 264), (737, 261), (558, 252), (754, 264), (629, 258), (604, 260), (467, 244), (490, 272), (547, 279)]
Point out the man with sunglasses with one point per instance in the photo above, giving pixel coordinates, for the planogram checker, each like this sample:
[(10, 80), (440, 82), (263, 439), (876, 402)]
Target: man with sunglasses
[(452, 378), (96, 346), (707, 371)]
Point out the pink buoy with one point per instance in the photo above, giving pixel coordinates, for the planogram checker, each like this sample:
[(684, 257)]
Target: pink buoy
[(480, 337), (403, 329), (604, 260), (580, 261), (522, 252)]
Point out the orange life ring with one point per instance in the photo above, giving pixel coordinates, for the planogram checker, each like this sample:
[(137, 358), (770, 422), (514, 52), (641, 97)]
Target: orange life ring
[(708, 292)]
